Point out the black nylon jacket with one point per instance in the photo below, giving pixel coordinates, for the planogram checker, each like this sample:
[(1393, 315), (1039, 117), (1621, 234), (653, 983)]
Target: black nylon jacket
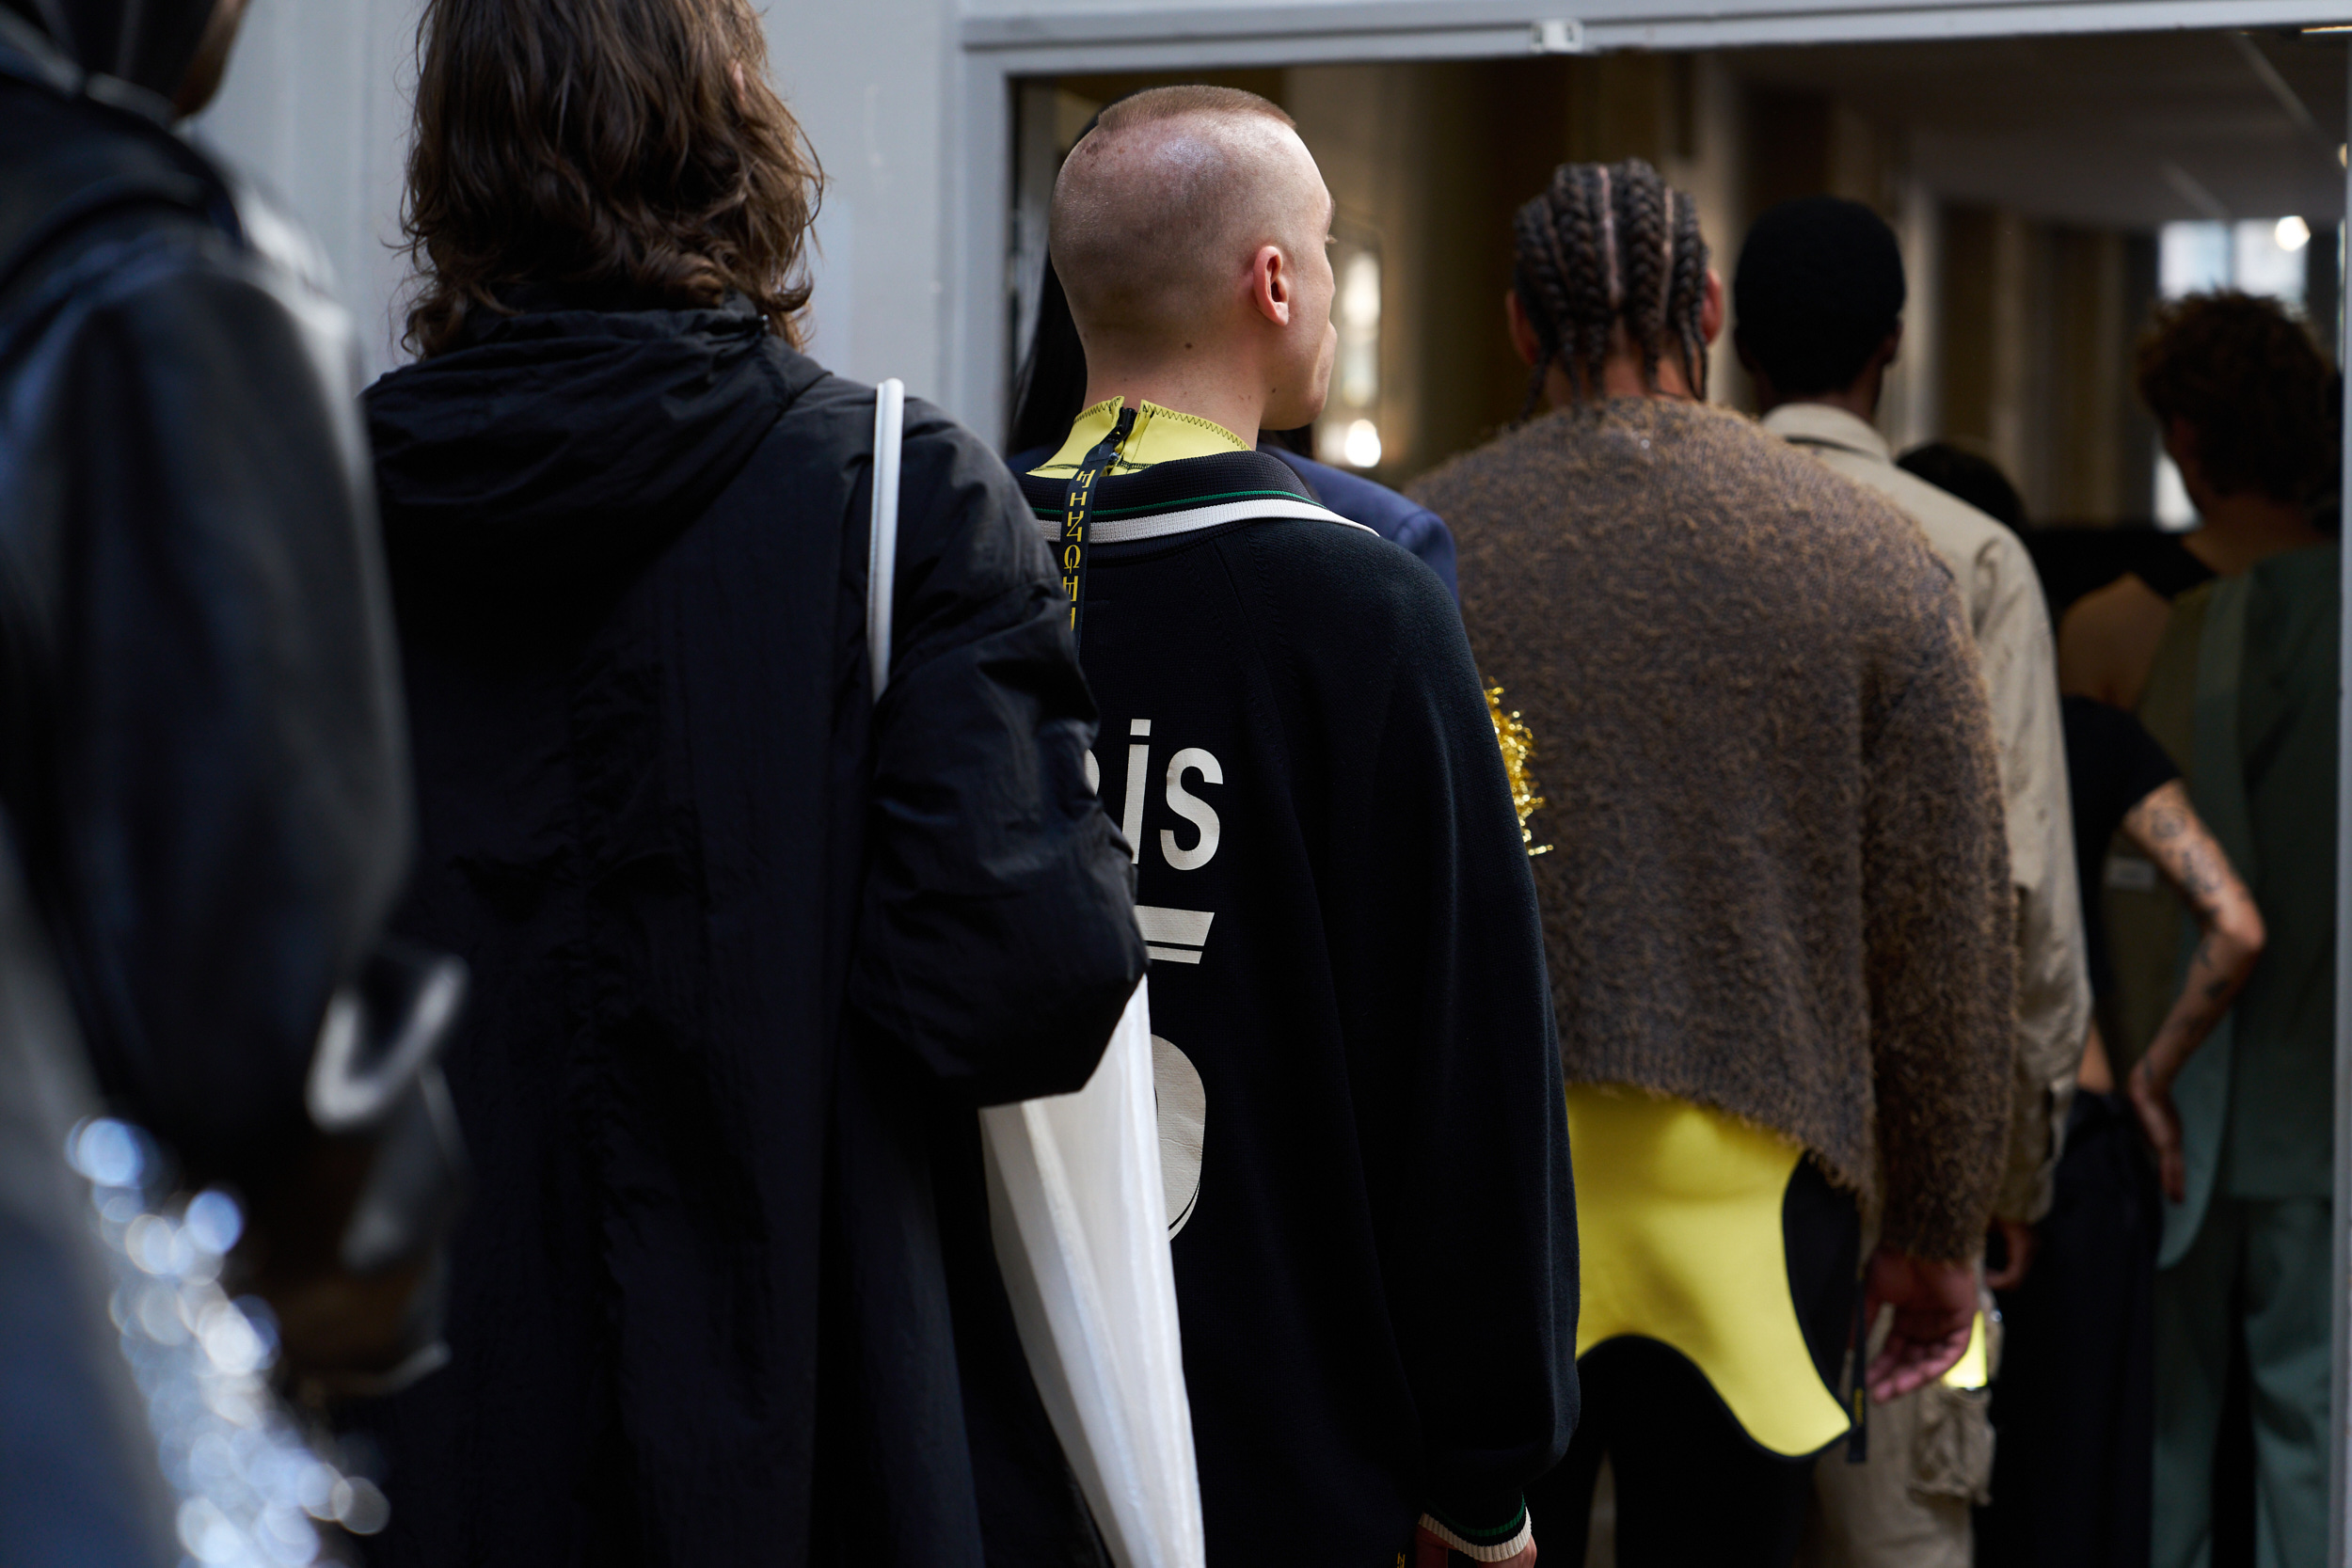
[(747, 949)]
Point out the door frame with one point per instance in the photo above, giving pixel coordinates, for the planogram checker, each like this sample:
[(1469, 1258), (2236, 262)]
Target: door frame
[(998, 47)]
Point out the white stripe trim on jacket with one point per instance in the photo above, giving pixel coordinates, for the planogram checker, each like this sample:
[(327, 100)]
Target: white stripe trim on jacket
[(1163, 525)]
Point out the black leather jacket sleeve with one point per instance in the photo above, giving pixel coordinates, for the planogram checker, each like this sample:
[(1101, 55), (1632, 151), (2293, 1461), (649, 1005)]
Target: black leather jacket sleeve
[(202, 724)]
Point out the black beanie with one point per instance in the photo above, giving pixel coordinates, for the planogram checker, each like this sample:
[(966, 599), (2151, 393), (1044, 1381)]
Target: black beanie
[(1819, 288)]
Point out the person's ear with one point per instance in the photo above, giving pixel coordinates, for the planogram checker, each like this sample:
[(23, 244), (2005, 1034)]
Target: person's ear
[(1767, 395), (1272, 289), (2180, 444), (1893, 344), (1712, 308), (1524, 336)]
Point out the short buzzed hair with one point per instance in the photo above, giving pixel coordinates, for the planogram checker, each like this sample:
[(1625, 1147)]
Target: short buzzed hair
[(1192, 98), (1137, 248), (1819, 287)]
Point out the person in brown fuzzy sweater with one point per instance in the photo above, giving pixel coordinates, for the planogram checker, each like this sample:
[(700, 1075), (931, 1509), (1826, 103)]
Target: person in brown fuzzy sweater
[(1774, 879)]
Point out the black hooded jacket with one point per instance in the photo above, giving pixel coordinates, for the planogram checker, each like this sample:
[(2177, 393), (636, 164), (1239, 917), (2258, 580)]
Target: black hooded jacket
[(747, 948)]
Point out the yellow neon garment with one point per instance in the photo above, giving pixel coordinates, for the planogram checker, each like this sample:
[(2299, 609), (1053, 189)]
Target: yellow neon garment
[(1974, 1368), (1679, 1222), (1161, 436)]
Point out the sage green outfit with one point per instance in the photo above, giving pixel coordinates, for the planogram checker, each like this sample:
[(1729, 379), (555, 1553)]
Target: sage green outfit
[(2250, 662)]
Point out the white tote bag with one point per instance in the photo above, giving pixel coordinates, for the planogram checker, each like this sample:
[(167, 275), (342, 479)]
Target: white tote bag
[(1079, 1218)]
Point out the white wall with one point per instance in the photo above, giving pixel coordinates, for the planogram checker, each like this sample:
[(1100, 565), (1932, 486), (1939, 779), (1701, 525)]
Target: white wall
[(317, 104), (870, 82)]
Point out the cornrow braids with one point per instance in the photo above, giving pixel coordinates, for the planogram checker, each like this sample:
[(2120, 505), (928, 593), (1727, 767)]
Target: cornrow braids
[(1605, 245), (1556, 279), (1542, 295), (1585, 242), (1643, 234), (1686, 296)]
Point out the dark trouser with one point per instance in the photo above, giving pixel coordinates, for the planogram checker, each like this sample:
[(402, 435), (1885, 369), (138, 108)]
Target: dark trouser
[(1691, 1486), (2254, 1283), (2074, 1406)]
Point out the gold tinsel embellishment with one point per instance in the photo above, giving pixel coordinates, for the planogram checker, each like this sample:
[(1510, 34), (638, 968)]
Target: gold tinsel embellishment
[(1517, 745)]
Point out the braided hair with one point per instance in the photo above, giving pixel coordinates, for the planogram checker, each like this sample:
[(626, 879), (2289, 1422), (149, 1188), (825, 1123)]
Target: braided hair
[(1609, 244)]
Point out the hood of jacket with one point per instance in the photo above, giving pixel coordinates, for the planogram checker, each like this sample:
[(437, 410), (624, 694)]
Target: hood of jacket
[(147, 43), (563, 439)]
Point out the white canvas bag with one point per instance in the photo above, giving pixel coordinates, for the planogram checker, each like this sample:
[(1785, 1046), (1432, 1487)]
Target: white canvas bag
[(1079, 1217)]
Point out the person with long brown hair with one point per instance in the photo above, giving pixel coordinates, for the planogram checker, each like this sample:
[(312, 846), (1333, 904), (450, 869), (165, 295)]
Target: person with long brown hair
[(747, 944)]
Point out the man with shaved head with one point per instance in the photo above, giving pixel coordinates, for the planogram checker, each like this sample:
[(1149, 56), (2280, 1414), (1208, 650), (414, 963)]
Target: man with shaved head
[(1362, 1131), (1162, 219)]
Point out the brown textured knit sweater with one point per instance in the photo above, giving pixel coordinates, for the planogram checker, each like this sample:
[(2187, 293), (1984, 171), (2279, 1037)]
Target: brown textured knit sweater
[(1778, 884)]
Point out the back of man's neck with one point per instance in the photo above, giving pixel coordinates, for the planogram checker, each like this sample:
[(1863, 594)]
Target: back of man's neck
[(1621, 376), (1855, 400), (2242, 530)]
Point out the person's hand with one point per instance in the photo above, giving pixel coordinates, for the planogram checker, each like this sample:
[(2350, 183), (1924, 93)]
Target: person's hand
[(2160, 1119), (1430, 1552), (1935, 1308), (2019, 1242)]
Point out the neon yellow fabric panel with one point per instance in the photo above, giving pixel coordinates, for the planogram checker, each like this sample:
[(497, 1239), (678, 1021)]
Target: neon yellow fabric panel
[(1973, 1370), (1161, 436), (1677, 1213)]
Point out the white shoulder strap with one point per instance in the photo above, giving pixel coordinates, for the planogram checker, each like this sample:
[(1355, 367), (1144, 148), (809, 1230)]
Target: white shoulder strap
[(882, 536)]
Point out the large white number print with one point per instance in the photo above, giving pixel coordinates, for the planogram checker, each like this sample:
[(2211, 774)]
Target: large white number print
[(1131, 821), (1191, 808)]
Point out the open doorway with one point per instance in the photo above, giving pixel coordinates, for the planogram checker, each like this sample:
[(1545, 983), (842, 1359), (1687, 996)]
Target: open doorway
[(2048, 192)]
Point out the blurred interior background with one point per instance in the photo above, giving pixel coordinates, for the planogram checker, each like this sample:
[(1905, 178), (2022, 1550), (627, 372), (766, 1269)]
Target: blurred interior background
[(2048, 192)]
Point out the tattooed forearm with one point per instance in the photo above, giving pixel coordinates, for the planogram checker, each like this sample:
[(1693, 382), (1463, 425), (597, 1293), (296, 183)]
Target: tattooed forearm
[(2207, 979), (2213, 980), (2167, 828)]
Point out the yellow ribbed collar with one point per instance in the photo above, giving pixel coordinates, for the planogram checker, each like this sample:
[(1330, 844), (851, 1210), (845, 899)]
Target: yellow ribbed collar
[(1161, 436)]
